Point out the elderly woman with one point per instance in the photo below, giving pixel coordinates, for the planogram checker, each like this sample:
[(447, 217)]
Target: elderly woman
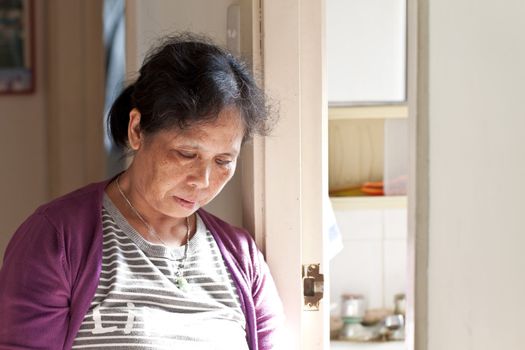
[(135, 262)]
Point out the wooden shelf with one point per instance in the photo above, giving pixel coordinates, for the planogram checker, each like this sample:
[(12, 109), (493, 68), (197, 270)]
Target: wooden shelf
[(368, 202), (368, 112)]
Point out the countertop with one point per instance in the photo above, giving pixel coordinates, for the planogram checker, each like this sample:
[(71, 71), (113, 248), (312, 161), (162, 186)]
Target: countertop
[(387, 345)]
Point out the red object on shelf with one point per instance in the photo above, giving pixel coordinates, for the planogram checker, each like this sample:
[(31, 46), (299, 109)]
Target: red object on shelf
[(373, 188)]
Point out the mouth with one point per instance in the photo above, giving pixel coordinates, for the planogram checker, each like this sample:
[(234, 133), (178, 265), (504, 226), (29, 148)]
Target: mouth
[(184, 202)]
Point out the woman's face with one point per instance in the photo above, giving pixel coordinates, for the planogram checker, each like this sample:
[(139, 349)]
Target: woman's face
[(176, 172)]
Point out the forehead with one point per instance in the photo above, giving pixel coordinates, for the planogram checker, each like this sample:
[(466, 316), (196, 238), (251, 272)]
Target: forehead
[(225, 131)]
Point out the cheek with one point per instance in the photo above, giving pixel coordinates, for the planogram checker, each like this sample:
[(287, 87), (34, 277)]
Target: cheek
[(166, 176), (223, 176)]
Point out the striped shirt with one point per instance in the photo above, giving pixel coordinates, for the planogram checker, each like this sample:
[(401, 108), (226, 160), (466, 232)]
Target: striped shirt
[(137, 304)]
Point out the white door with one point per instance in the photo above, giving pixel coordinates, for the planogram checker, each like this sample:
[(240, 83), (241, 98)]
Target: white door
[(291, 164), (290, 167)]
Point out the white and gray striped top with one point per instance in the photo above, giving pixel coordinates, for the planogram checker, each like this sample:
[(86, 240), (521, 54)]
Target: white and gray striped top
[(137, 304)]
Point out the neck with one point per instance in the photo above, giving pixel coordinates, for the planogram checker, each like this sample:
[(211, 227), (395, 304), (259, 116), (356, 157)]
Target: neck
[(169, 231)]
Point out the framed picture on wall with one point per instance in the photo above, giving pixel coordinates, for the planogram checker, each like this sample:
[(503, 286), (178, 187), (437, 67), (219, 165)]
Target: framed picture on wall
[(16, 47)]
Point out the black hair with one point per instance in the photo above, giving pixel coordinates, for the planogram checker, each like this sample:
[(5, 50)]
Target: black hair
[(188, 80)]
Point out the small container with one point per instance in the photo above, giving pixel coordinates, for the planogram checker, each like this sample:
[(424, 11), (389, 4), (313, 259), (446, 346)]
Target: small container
[(357, 332), (394, 322), (400, 303), (353, 307), (395, 327)]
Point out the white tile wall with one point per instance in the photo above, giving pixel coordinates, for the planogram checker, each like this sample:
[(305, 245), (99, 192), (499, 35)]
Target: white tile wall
[(395, 223), (357, 270), (373, 260), (394, 267), (360, 224)]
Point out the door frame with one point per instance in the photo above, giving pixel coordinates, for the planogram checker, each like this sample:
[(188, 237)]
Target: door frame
[(292, 42), (284, 201), (418, 209)]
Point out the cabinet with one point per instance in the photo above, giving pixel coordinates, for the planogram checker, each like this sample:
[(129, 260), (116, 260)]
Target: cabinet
[(367, 144), (368, 152)]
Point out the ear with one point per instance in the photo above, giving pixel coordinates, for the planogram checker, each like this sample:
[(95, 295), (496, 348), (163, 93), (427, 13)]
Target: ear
[(135, 136)]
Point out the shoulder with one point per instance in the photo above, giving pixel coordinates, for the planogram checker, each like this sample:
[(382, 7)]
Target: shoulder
[(234, 241), (74, 207), (68, 229), (226, 231), (76, 200), (69, 224), (58, 232)]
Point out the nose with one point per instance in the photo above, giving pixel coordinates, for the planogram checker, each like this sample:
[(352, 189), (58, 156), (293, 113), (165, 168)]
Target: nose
[(199, 175)]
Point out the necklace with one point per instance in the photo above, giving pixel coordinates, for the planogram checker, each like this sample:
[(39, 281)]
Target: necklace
[(180, 281)]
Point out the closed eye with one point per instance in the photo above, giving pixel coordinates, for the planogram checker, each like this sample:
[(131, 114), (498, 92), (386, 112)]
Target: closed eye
[(188, 155), (223, 161)]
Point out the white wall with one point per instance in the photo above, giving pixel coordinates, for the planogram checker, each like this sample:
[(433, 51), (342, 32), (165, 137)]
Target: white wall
[(373, 260), (23, 147), (365, 51), (161, 17), (476, 88), (168, 16)]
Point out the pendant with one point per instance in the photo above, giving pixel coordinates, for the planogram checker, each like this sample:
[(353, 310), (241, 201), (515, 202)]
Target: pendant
[(181, 283)]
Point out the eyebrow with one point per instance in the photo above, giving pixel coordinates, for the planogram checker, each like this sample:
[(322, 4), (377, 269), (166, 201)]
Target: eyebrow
[(233, 153)]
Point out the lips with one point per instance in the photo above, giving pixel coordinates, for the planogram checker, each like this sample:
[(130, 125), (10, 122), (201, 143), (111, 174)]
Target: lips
[(188, 204)]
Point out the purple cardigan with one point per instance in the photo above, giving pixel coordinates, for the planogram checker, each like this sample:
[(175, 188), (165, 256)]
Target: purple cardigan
[(52, 266)]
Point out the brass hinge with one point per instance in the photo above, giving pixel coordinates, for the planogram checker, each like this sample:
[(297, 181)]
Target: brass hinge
[(313, 287)]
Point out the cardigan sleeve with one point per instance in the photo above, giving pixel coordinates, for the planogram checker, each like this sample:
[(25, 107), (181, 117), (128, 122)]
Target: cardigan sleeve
[(268, 308), (34, 290)]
